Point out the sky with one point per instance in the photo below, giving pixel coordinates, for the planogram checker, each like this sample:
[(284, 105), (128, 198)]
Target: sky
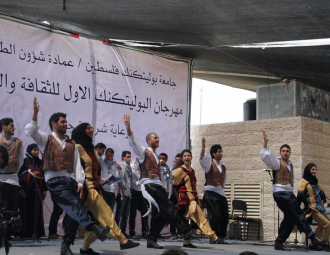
[(219, 104)]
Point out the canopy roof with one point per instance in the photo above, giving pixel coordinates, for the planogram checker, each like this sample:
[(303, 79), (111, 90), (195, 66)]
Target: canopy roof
[(206, 31)]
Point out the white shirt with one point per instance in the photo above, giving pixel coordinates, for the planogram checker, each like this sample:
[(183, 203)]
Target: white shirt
[(206, 163), (12, 178), (272, 162), (41, 138), (108, 169), (136, 175), (140, 154)]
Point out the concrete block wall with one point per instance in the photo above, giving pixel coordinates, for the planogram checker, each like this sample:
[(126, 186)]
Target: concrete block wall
[(242, 141)]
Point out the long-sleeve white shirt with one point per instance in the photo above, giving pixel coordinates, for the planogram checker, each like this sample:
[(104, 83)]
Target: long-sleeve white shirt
[(136, 175), (166, 175), (140, 154), (41, 138), (12, 178), (206, 165), (108, 169), (272, 162)]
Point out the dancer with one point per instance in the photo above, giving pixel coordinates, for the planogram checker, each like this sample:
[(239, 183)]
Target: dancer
[(214, 195), (64, 175), (284, 197), (184, 186), (33, 192), (93, 200), (9, 185), (312, 195), (163, 210)]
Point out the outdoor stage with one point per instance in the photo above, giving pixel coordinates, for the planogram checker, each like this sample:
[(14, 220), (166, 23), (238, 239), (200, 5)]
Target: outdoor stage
[(112, 247)]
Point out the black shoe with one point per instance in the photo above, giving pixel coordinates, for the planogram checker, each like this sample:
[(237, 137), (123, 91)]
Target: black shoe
[(218, 241), (65, 249), (101, 232), (191, 235), (326, 248), (316, 248), (189, 245), (318, 242), (279, 246), (154, 245), (89, 251), (130, 244)]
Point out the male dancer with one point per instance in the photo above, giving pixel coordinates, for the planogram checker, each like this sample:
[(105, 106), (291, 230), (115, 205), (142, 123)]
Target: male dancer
[(138, 202), (9, 186), (64, 175), (284, 197), (163, 210), (214, 196)]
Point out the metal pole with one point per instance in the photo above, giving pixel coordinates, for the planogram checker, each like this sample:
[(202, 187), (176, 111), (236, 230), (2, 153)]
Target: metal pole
[(200, 112)]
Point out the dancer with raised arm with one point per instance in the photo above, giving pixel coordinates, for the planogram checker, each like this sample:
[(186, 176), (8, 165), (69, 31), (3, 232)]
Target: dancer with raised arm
[(214, 196), (64, 175), (163, 210), (284, 197), (184, 184)]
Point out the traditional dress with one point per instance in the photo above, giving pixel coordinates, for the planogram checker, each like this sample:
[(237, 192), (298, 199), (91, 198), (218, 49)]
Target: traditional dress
[(311, 194), (93, 200), (163, 210), (31, 205), (214, 196), (63, 173), (184, 185), (284, 197)]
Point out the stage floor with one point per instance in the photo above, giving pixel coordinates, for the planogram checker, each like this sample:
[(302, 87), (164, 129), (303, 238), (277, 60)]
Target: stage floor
[(110, 246)]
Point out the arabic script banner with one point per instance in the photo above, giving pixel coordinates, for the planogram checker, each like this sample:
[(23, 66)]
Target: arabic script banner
[(92, 81)]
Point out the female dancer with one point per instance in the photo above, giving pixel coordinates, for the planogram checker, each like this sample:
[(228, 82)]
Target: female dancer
[(31, 211), (184, 186), (93, 200), (314, 199)]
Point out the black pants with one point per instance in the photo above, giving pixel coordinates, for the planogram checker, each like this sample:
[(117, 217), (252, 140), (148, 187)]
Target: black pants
[(167, 213), (9, 194), (54, 218), (293, 215), (138, 203), (64, 192), (110, 199), (217, 211)]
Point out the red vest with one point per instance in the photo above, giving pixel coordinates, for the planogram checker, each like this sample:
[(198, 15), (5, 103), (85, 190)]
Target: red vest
[(149, 168), (55, 158), (214, 177), (284, 175)]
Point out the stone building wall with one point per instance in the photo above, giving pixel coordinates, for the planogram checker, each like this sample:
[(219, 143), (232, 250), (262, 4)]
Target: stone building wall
[(242, 141)]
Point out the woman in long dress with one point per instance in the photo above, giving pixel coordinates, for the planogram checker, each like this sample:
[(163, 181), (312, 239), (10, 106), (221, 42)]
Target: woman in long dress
[(33, 192), (93, 200), (184, 186)]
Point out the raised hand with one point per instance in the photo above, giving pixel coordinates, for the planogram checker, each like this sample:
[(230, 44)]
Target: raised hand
[(127, 121), (266, 139), (35, 109), (203, 142)]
